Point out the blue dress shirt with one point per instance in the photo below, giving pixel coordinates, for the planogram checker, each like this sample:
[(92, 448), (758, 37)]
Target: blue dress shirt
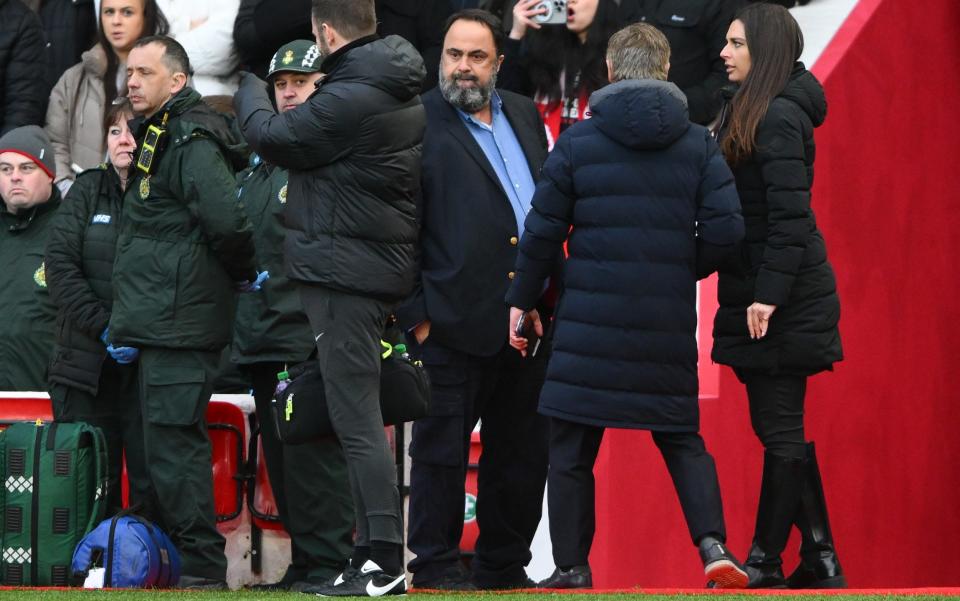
[(502, 149)]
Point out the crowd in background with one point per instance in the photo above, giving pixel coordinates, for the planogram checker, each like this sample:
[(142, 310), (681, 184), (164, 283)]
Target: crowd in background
[(62, 66)]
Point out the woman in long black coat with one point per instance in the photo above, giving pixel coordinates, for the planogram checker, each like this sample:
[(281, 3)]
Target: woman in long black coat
[(777, 322)]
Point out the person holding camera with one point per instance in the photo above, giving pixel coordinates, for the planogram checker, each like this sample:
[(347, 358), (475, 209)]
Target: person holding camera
[(555, 54), (485, 146), (653, 208)]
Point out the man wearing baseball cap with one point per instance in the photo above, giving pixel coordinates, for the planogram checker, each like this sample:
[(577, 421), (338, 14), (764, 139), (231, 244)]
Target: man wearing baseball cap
[(30, 201), (309, 481)]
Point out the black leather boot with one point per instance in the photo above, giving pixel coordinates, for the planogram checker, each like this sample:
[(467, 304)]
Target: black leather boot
[(779, 500), (819, 566)]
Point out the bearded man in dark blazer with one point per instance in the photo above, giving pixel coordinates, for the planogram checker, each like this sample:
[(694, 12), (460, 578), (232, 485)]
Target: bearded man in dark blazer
[(482, 153)]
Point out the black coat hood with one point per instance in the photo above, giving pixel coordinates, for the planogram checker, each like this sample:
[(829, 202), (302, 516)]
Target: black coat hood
[(391, 64), (641, 113), (804, 90)]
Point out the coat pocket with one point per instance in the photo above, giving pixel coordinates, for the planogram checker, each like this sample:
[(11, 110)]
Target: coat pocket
[(174, 395)]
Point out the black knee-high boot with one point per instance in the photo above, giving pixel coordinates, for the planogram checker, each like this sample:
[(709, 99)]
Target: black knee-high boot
[(819, 566), (779, 500)]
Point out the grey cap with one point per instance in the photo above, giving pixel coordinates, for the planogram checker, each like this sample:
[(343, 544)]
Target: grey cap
[(300, 56), (32, 142)]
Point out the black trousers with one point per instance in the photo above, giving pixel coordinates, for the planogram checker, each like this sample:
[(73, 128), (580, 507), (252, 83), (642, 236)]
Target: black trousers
[(310, 485), (776, 411), (571, 493), (347, 329), (502, 393)]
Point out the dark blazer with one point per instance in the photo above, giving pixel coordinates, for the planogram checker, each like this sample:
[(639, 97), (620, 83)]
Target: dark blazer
[(468, 230)]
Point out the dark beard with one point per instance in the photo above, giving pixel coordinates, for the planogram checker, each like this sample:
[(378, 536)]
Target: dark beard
[(469, 100), (323, 48)]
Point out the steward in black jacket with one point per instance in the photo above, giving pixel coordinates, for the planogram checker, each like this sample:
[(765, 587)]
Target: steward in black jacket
[(783, 259), (353, 152), (23, 94)]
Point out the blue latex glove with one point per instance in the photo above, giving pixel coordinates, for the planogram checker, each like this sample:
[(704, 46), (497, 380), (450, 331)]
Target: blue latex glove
[(124, 355), (254, 286), (104, 334)]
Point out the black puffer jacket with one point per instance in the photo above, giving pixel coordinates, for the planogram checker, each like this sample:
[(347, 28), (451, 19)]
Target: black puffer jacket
[(783, 260), (23, 95), (79, 259), (353, 153), (642, 188)]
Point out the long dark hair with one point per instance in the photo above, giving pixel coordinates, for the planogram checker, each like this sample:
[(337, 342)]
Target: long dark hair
[(555, 50), (153, 23), (775, 43)]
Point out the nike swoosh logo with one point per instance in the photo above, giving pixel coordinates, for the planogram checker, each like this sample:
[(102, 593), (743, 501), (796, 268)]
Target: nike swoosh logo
[(318, 336), (378, 591)]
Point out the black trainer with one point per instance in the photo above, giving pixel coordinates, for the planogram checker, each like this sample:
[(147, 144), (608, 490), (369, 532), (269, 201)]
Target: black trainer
[(720, 566), (575, 577), (368, 581)]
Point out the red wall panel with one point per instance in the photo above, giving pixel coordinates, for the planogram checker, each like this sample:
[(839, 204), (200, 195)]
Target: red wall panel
[(886, 422)]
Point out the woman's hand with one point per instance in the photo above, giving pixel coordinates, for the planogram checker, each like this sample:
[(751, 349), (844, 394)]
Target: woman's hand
[(758, 319), (523, 12)]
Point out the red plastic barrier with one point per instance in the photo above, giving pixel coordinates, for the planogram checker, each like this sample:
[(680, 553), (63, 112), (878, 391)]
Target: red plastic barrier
[(227, 427), (264, 510), (19, 407), (885, 421)]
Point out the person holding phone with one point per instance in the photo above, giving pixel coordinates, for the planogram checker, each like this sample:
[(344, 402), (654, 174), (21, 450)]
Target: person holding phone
[(559, 65), (653, 208)]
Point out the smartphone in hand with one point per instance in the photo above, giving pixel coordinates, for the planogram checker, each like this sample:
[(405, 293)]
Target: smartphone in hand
[(521, 329)]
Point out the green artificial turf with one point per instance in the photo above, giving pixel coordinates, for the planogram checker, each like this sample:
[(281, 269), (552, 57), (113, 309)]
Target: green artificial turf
[(79, 595)]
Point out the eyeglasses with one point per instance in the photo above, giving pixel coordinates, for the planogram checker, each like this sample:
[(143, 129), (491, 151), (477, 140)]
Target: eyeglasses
[(24, 168)]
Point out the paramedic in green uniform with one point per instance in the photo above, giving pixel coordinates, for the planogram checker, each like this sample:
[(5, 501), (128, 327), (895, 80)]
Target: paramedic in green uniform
[(30, 201), (185, 247), (309, 481)]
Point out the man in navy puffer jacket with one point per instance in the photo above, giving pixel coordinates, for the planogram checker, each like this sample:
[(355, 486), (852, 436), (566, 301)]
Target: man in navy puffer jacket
[(653, 208)]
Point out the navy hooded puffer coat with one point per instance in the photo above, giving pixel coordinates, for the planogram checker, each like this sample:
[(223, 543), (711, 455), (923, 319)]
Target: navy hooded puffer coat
[(648, 195)]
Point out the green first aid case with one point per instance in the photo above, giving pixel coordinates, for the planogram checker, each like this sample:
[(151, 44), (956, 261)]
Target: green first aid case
[(54, 492)]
